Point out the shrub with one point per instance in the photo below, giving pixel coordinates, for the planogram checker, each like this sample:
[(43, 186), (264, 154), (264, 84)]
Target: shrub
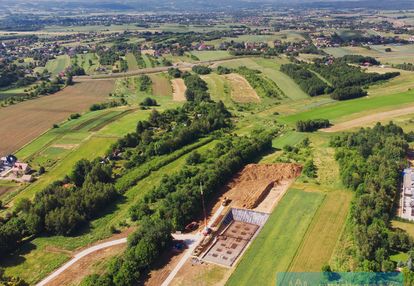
[(201, 70), (74, 116), (312, 125), (148, 101)]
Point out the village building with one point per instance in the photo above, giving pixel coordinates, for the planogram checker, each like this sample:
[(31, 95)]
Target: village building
[(407, 195)]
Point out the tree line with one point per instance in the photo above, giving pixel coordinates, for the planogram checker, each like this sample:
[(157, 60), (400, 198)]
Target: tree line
[(345, 81), (370, 163), (312, 125)]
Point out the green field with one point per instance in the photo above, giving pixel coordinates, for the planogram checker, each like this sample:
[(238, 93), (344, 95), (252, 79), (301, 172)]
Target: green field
[(89, 62), (276, 245), (132, 61), (58, 65), (211, 55), (219, 89), (319, 242), (399, 54), (337, 111)]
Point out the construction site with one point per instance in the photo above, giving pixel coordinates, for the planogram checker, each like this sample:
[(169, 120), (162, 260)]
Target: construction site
[(233, 222), (238, 228)]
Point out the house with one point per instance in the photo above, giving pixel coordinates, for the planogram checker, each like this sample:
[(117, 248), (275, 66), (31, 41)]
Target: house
[(20, 168)]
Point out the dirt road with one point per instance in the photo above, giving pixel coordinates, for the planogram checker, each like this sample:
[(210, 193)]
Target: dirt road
[(362, 121), (78, 257), (192, 244)]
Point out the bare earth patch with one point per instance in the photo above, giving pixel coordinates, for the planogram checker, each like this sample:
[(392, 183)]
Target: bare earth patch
[(255, 182), (179, 89), (359, 122), (86, 266), (23, 122), (241, 90)]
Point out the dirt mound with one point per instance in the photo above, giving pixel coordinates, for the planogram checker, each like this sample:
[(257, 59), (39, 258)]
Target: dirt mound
[(252, 184)]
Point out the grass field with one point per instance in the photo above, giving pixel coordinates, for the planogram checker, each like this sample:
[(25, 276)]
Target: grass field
[(276, 245), (131, 61), (338, 111), (38, 115), (211, 55), (219, 88), (399, 54), (89, 62), (319, 242), (407, 226), (58, 65)]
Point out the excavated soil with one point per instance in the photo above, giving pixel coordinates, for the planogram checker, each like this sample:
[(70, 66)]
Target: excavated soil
[(252, 184)]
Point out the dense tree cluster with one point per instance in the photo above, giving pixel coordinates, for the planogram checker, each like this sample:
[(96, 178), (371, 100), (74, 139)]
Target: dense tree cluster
[(197, 89), (75, 70), (12, 74), (174, 72), (345, 81), (370, 163), (223, 70), (144, 83), (348, 92), (264, 86), (340, 74), (62, 207), (201, 69), (171, 130), (358, 59), (144, 248), (311, 125), (307, 80)]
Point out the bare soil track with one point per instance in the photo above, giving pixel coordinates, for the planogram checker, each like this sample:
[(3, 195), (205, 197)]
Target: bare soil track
[(179, 89), (365, 120), (23, 122)]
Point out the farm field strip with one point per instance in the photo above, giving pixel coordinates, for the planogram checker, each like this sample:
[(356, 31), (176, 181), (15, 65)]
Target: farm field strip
[(23, 122), (276, 245), (270, 68), (219, 89), (161, 85), (320, 240), (370, 119), (179, 89), (132, 61), (241, 90)]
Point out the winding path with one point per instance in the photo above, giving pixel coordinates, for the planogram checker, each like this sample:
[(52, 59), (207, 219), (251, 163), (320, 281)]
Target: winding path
[(79, 256)]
